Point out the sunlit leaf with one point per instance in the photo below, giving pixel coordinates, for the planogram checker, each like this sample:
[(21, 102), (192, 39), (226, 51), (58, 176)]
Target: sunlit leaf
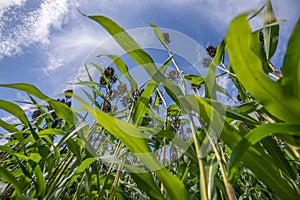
[(61, 109), (291, 65), (270, 32), (131, 136), (124, 70), (248, 69), (11, 179)]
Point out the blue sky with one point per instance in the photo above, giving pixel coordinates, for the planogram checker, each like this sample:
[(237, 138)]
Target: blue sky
[(45, 42)]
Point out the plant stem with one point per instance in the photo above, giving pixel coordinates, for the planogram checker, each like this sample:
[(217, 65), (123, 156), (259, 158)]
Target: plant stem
[(116, 180), (229, 189), (203, 186)]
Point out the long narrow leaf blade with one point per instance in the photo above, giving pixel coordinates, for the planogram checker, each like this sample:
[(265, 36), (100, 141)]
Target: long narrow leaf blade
[(248, 69), (61, 109), (291, 64)]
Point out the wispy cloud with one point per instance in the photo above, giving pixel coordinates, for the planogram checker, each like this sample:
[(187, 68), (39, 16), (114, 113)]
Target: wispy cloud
[(70, 49), (6, 5), (21, 29), (54, 63), (11, 119)]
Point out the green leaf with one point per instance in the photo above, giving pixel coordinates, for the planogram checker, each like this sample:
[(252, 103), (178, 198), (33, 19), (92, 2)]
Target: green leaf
[(258, 48), (278, 156), (210, 79), (237, 114), (40, 180), (248, 69), (73, 131), (85, 164), (270, 32), (291, 65), (51, 131), (124, 70), (146, 183), (11, 179), (133, 139), (9, 127), (61, 109), (159, 35), (195, 79), (15, 110), (141, 106), (138, 55), (128, 44), (265, 169), (86, 83), (257, 135)]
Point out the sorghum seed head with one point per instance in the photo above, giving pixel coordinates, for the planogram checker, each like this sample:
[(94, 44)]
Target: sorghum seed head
[(36, 114), (125, 101), (109, 71), (261, 37), (176, 122), (135, 95), (206, 62), (106, 107), (69, 103), (166, 38), (102, 81), (195, 87), (173, 75), (238, 97), (211, 51), (121, 89), (68, 93)]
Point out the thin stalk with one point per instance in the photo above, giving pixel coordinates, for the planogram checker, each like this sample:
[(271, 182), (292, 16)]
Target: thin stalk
[(225, 69), (278, 74), (77, 189), (203, 186), (229, 189), (117, 151), (163, 150), (210, 177), (116, 180), (54, 184)]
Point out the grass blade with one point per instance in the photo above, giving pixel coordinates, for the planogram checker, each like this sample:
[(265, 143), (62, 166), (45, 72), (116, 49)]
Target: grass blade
[(11, 179), (134, 141), (61, 109), (248, 69), (291, 64)]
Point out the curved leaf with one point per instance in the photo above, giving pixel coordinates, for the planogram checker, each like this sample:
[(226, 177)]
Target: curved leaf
[(133, 139), (265, 169), (270, 32), (145, 182), (61, 109), (11, 179), (257, 135), (248, 69), (124, 70), (291, 64), (15, 110)]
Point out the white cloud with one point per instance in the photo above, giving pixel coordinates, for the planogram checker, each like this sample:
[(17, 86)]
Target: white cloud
[(69, 49), (6, 5), (20, 29), (11, 119), (54, 63), (51, 14)]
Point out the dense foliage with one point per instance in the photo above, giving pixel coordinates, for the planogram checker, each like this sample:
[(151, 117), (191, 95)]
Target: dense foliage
[(167, 143)]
